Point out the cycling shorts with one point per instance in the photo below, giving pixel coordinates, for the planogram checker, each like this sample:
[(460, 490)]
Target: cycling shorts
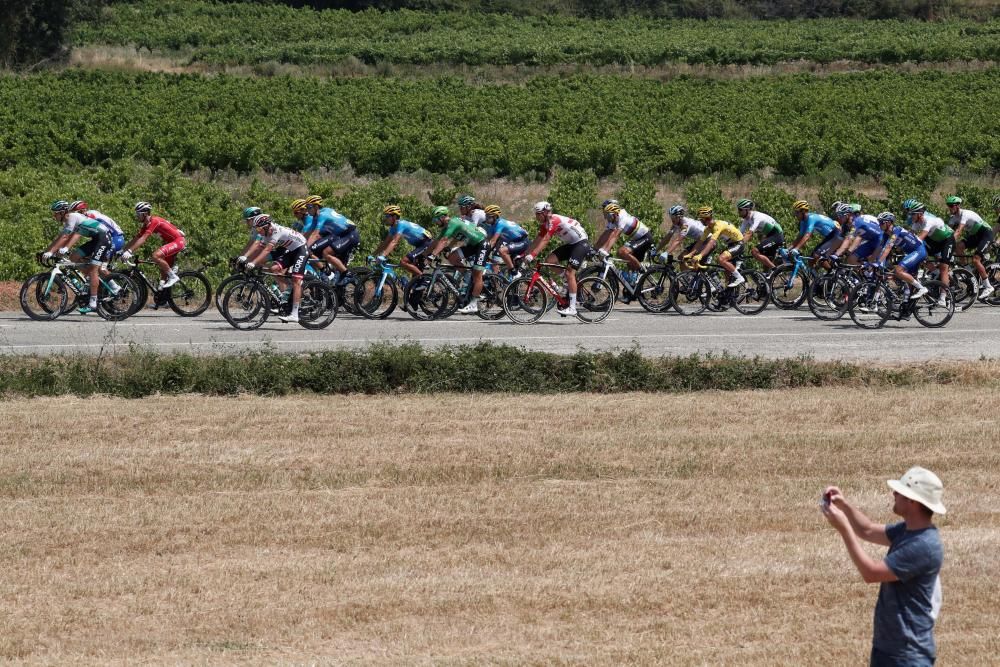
[(341, 246), (864, 251), (478, 254), (98, 249), (518, 248), (419, 250), (640, 245), (573, 253), (294, 261), (944, 251), (913, 260), (733, 252), (117, 242), (827, 244), (980, 241), (169, 251), (771, 244)]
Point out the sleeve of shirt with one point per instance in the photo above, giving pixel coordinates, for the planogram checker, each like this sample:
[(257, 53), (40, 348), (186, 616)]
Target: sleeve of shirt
[(308, 223), (913, 559)]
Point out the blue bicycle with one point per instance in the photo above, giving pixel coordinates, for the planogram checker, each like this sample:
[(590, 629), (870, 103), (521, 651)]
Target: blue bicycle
[(377, 292), (790, 281)]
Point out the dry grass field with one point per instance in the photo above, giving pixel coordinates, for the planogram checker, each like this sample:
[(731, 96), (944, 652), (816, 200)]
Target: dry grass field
[(641, 529)]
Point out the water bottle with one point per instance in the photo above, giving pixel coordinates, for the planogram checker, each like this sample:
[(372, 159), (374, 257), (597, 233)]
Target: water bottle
[(275, 291)]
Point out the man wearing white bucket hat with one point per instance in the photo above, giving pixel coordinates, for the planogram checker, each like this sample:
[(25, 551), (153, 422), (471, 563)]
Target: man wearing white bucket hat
[(909, 596)]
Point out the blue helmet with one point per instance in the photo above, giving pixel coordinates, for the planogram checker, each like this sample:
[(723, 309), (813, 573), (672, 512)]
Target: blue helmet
[(677, 209), (886, 217), (909, 204)]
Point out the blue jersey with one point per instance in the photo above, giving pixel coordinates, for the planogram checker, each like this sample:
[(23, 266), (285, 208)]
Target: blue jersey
[(867, 227), (904, 239), (326, 222), (816, 223), (509, 231), (412, 232)]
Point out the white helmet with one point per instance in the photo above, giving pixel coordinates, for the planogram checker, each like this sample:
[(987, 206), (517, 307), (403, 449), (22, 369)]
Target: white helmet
[(543, 207)]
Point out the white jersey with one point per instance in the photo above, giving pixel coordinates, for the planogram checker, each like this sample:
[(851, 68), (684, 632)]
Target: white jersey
[(567, 229), (688, 227), (72, 220), (476, 217), (629, 225), (106, 221), (283, 237), (970, 219), (753, 221)]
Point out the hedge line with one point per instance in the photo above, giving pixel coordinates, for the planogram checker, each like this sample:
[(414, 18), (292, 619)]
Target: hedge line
[(410, 368)]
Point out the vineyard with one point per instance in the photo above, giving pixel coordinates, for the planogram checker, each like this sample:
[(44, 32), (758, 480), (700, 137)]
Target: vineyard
[(224, 33)]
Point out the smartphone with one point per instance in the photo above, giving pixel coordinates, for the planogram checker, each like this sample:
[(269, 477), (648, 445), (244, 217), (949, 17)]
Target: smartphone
[(824, 500)]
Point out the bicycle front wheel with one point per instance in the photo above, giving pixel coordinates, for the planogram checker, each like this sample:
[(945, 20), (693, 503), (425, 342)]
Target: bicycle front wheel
[(190, 296), (524, 303), (689, 293), (375, 299), (654, 290), (318, 307), (595, 299), (41, 301), (788, 291), (115, 306), (829, 297), (936, 308), (246, 304), (752, 296), (491, 298), (965, 287), (871, 304)]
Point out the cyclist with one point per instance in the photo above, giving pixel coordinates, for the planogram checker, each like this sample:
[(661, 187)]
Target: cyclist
[(286, 248), (814, 223), (414, 234), (978, 235), (329, 235), (300, 213), (471, 211), (97, 250), (716, 230), (510, 239), (864, 237), (912, 248), (166, 255), (938, 238), (474, 248), (753, 221), (573, 251), (115, 232), (679, 228), (621, 223)]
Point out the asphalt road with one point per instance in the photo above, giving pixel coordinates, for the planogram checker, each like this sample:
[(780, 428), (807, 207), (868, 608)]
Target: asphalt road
[(773, 333)]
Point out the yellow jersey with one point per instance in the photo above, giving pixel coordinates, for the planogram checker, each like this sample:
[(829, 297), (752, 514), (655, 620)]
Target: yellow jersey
[(721, 228)]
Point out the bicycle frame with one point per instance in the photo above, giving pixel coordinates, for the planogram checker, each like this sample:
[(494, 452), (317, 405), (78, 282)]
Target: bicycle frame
[(538, 278)]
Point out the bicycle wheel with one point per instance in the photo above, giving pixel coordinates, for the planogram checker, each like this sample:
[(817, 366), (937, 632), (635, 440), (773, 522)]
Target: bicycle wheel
[(993, 275), (689, 293), (141, 294), (964, 287), (40, 301), (829, 297), (491, 298), (654, 290), (752, 296), (936, 308), (346, 292), (374, 298), (246, 304), (318, 306), (116, 306), (437, 301), (788, 291), (190, 296), (524, 303), (220, 290), (871, 304), (595, 299)]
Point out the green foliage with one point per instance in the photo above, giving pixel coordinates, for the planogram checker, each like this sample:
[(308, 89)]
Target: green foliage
[(574, 193), (33, 31), (218, 33), (191, 122), (705, 191), (975, 197), (917, 182), (638, 196)]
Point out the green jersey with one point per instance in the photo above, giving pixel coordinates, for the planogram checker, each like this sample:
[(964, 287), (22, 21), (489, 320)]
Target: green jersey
[(464, 232)]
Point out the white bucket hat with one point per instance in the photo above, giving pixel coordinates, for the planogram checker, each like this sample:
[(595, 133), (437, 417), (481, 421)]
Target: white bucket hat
[(921, 485)]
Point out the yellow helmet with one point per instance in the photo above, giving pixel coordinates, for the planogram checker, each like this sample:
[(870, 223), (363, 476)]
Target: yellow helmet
[(492, 209), (299, 206), (801, 205), (392, 209), (705, 212), (313, 200), (612, 208)]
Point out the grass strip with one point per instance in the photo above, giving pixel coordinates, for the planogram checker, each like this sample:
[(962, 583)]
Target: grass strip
[(409, 368)]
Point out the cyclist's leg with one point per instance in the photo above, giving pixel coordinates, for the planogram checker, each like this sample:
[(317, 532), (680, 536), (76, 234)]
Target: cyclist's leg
[(578, 253), (414, 259), (982, 240), (635, 251)]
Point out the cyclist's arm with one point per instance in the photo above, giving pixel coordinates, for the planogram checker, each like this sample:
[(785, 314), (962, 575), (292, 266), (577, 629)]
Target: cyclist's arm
[(438, 245), (747, 236), (313, 235), (72, 241), (609, 237), (493, 242), (885, 251), (922, 234), (136, 242), (847, 245), (259, 249), (538, 244), (60, 242), (707, 246), (388, 245), (801, 241)]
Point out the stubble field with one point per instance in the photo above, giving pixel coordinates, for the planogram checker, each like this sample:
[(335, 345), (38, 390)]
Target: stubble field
[(639, 528)]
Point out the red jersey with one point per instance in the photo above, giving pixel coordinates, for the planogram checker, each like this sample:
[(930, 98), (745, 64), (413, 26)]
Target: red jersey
[(162, 228)]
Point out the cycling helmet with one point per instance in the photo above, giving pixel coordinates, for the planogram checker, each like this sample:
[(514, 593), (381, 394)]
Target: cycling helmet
[(996, 202), (676, 209), (745, 204), (843, 209), (78, 205), (262, 220), (298, 206), (953, 200), (608, 201), (313, 200), (492, 209), (835, 205), (886, 217), (543, 207), (909, 204), (801, 205), (466, 200), (918, 208), (705, 212), (855, 208), (612, 209), (392, 209), (59, 206), (251, 212), (143, 207), (438, 212)]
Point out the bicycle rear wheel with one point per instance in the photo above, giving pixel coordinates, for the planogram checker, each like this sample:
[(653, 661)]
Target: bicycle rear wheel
[(223, 286), (116, 306), (689, 293), (375, 299), (752, 296), (964, 286), (246, 304), (141, 294), (437, 301), (993, 275), (654, 290), (595, 299), (787, 291), (41, 302), (491, 298), (318, 307), (937, 307), (524, 303), (829, 297), (190, 296), (871, 304)]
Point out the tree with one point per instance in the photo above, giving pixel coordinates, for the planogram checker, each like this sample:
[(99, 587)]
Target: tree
[(34, 30)]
